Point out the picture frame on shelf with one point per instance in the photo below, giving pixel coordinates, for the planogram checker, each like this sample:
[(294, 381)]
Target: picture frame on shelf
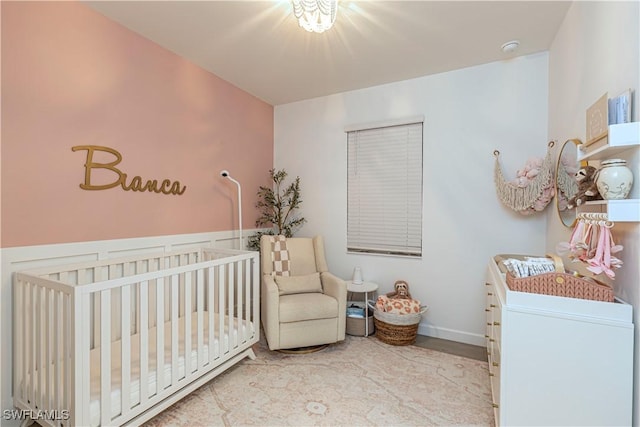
[(598, 120)]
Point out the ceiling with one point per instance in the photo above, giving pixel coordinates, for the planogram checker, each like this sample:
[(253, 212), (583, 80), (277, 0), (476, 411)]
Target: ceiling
[(259, 47)]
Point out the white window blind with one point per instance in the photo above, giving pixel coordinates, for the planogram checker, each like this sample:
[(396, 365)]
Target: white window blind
[(384, 190)]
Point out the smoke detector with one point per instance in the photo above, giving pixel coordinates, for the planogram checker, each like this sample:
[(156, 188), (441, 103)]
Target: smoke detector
[(510, 47)]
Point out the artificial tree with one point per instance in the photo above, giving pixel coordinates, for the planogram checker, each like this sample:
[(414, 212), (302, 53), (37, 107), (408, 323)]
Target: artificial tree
[(278, 207)]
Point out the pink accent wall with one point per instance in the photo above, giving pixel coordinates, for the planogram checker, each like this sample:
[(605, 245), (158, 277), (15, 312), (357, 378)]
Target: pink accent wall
[(73, 77)]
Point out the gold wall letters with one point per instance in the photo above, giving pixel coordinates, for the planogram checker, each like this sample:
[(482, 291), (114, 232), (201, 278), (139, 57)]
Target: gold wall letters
[(136, 183)]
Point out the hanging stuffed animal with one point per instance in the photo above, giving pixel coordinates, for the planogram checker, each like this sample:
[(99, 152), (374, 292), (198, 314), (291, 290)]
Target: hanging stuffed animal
[(587, 188)]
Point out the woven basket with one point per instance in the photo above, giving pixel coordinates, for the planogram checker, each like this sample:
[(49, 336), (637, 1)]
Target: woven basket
[(396, 329), (562, 285)]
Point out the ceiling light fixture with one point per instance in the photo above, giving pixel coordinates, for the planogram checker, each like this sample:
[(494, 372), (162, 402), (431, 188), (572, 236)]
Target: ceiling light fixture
[(315, 16), (511, 46)]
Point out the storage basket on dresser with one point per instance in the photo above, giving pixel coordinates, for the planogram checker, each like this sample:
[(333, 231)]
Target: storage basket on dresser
[(562, 285)]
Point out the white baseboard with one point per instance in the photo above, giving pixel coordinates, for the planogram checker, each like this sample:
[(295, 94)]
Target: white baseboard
[(451, 334)]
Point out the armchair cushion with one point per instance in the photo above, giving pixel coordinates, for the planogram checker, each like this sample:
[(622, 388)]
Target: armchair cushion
[(301, 307), (288, 285)]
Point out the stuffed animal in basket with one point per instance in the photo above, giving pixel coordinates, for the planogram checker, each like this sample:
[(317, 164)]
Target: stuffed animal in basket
[(587, 188), (401, 290), (399, 301)]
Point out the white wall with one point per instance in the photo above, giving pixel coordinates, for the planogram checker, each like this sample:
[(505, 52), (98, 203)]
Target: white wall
[(468, 113), (597, 50)]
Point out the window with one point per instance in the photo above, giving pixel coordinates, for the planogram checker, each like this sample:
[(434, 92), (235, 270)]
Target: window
[(384, 188)]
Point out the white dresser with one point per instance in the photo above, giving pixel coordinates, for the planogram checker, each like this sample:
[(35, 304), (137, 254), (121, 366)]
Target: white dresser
[(556, 361)]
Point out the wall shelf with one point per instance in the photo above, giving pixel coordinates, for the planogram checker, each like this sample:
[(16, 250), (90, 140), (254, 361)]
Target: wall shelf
[(621, 137), (626, 210)]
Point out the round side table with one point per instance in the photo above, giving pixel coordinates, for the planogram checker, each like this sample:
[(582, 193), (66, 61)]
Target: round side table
[(366, 288)]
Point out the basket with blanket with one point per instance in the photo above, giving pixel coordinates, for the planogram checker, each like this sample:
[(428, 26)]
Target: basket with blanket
[(397, 316)]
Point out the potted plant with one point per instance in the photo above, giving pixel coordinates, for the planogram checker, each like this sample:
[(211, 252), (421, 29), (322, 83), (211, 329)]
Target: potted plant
[(278, 206)]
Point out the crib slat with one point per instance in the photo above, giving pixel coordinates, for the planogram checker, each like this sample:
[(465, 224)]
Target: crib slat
[(187, 325), (105, 358), (58, 357), (222, 342), (152, 293), (240, 284), (211, 311), (20, 339), (16, 333), (68, 355), (138, 270), (160, 335), (82, 278), (33, 348), (174, 329), (20, 335), (41, 348), (81, 366), (125, 355), (231, 284), (255, 293), (115, 271), (50, 356), (200, 326), (247, 301), (144, 342)]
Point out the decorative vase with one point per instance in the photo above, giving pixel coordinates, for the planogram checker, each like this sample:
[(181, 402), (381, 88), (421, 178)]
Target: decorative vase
[(614, 179)]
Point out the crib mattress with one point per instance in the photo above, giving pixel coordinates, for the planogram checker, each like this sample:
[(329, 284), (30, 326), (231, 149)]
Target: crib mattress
[(165, 368)]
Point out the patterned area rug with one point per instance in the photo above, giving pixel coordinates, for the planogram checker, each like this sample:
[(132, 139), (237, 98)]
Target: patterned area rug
[(359, 382)]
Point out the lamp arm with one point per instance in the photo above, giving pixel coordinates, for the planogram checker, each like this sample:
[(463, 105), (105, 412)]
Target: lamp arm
[(225, 174), (239, 210)]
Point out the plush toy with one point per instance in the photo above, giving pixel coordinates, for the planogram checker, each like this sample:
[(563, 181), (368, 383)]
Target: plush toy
[(525, 176), (401, 290), (529, 172), (587, 188)]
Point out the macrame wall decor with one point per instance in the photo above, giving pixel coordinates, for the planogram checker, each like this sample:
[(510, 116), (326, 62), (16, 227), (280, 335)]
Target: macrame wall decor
[(533, 188), (567, 184)]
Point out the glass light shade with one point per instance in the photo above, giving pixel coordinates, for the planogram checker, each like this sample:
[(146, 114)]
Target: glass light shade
[(315, 15), (357, 276)]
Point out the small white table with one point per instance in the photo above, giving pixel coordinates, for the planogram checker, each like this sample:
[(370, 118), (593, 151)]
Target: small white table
[(365, 288)]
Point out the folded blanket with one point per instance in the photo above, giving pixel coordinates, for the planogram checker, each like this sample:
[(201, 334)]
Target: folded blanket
[(397, 305)]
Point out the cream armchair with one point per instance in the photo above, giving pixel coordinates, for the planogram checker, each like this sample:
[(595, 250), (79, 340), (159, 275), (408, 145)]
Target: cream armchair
[(307, 307)]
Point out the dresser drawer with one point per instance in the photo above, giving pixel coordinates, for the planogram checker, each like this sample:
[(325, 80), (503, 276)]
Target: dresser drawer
[(493, 310), (495, 378)]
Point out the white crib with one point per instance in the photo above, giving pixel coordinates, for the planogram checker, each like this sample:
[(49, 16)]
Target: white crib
[(117, 341)]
